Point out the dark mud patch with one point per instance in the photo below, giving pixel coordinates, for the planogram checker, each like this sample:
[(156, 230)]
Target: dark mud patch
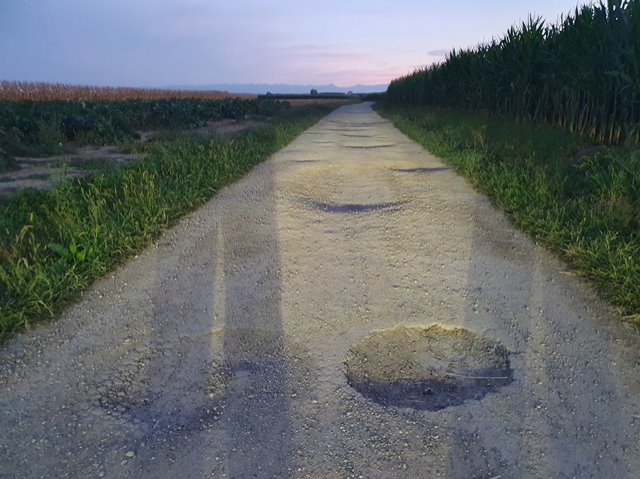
[(427, 368), (421, 170), (347, 208)]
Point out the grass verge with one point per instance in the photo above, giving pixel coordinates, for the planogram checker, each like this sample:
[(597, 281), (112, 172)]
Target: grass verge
[(53, 244), (579, 200)]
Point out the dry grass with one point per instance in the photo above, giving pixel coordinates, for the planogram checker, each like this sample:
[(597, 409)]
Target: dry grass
[(15, 91)]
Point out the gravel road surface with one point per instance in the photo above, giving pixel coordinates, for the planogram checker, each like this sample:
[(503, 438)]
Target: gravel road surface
[(267, 335)]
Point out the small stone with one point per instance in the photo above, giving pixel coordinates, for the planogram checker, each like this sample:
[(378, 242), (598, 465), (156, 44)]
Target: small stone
[(130, 454)]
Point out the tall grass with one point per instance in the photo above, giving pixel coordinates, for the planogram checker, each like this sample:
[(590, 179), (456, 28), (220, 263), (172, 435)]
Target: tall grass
[(53, 244), (580, 201), (582, 74)]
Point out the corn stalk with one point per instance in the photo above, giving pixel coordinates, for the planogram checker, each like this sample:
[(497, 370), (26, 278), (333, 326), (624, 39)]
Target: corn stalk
[(582, 74)]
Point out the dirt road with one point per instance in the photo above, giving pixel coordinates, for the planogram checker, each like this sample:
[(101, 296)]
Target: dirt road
[(230, 347)]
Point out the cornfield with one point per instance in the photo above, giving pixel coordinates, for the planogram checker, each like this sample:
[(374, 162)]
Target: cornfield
[(15, 91), (582, 73)]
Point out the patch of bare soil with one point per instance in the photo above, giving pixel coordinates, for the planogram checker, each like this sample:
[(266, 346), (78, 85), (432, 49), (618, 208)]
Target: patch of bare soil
[(44, 172), (228, 126)]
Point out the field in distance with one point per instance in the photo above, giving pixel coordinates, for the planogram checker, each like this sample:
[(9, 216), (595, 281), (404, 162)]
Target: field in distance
[(16, 91)]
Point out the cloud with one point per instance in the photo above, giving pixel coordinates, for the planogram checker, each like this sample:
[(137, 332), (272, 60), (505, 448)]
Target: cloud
[(320, 53), (364, 75), (438, 53)]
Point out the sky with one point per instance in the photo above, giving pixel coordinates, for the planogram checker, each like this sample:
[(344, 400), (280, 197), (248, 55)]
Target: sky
[(155, 43)]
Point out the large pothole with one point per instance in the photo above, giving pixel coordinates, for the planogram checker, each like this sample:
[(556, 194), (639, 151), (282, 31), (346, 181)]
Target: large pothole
[(427, 368)]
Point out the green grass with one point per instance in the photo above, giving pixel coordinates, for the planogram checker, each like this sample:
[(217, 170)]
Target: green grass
[(98, 164), (43, 128), (580, 201), (54, 244)]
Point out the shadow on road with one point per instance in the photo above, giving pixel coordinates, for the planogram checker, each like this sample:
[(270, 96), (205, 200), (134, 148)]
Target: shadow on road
[(218, 374)]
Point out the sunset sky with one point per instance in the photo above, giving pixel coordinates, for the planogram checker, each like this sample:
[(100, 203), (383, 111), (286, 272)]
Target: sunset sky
[(195, 42)]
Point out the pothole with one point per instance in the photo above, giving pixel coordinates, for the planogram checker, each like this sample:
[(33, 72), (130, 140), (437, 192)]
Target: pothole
[(358, 125), (421, 170), (371, 147), (427, 368), (355, 207)]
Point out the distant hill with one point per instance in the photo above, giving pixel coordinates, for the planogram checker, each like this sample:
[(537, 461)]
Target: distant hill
[(263, 88)]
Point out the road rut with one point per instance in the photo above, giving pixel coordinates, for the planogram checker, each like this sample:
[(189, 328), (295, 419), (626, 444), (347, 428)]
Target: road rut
[(220, 350)]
